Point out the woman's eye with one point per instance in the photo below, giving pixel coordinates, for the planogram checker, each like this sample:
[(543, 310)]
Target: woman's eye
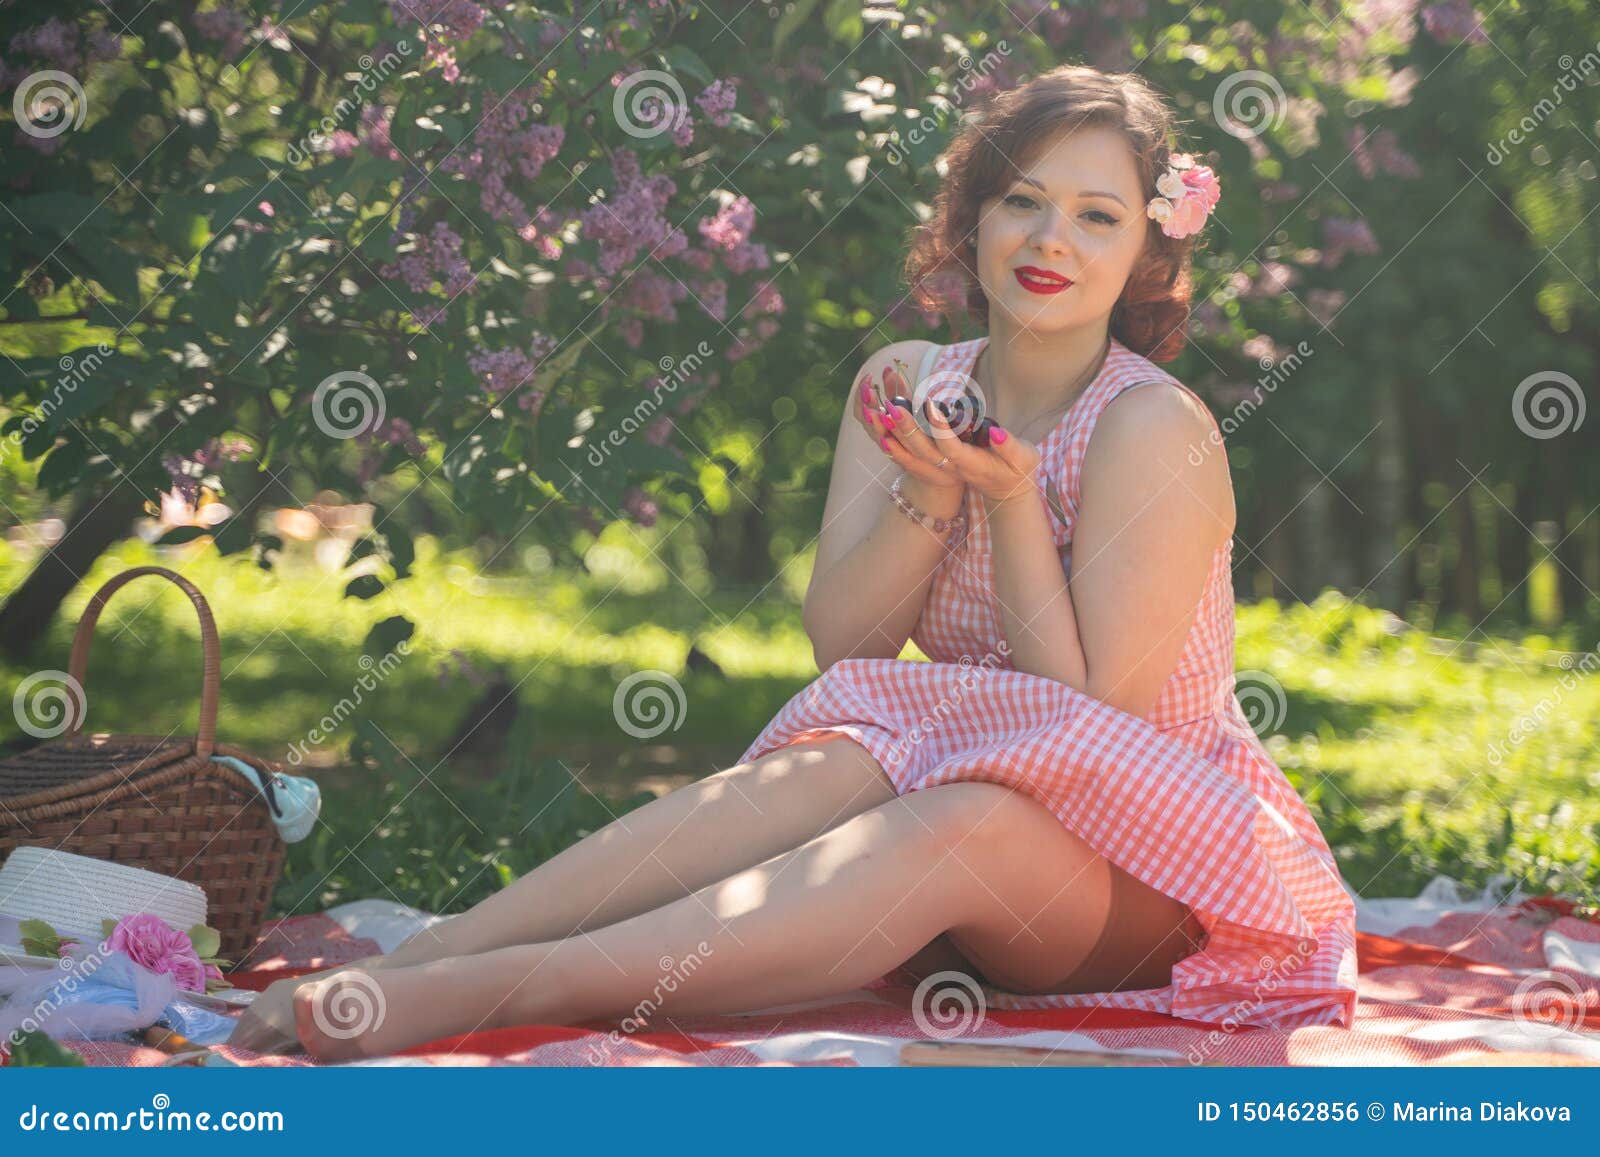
[(1105, 217), (1018, 197)]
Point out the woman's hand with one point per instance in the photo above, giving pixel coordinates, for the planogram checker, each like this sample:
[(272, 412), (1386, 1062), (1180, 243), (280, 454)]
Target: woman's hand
[(267, 1025), (1001, 472), (901, 438)]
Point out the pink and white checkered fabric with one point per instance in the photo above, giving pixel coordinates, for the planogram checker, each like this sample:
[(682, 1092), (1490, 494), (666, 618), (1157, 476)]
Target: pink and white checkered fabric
[(1188, 801)]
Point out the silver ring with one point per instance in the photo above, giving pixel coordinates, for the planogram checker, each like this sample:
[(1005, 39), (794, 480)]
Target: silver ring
[(940, 463)]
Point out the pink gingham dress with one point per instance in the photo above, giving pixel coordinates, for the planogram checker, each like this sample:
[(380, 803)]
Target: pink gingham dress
[(1188, 801)]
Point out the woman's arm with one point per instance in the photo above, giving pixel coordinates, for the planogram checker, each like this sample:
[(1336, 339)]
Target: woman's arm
[(1041, 626), (873, 565), (1152, 514)]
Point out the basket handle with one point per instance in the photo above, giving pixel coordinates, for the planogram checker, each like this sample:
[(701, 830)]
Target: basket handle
[(78, 664)]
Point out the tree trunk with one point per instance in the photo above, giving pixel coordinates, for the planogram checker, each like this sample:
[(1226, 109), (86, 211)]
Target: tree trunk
[(1389, 582), (99, 520), (1315, 535), (1465, 594)]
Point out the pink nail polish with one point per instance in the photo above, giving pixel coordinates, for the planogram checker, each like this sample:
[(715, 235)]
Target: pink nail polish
[(883, 443), (997, 434)]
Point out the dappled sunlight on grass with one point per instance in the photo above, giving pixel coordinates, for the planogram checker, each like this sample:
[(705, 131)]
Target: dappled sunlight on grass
[(1417, 755)]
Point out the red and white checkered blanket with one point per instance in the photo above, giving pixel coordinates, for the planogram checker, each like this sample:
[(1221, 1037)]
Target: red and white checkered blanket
[(1444, 980)]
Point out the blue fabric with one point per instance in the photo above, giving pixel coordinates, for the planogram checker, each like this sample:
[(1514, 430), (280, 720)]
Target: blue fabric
[(299, 799), (201, 1025)]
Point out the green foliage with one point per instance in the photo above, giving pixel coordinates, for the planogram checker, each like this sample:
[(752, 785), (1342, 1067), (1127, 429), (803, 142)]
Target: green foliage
[(1417, 754)]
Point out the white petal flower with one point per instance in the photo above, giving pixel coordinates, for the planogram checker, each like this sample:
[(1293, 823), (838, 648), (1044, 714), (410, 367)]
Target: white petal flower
[(1181, 161), (1170, 185), (1159, 209)]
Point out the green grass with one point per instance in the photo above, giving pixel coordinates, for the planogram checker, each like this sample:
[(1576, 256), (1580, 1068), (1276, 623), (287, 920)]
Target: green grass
[(1407, 748)]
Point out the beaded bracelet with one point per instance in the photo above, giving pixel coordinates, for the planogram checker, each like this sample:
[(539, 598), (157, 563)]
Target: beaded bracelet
[(922, 518)]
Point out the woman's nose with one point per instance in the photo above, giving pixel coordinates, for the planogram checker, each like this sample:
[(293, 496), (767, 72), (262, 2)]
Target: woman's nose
[(1052, 235)]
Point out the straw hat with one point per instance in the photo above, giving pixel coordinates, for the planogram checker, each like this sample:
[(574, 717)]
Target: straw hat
[(75, 894)]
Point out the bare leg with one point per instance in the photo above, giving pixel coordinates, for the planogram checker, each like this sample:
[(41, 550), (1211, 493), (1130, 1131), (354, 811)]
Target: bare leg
[(668, 848), (979, 859), (655, 854)]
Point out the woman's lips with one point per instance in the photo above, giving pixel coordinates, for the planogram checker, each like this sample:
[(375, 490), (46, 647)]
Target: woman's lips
[(1040, 283)]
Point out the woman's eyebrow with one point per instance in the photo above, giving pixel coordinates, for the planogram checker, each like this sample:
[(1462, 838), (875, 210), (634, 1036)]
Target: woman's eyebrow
[(1085, 193)]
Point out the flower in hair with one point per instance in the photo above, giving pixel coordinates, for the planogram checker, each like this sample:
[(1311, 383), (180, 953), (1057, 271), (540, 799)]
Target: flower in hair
[(1186, 194)]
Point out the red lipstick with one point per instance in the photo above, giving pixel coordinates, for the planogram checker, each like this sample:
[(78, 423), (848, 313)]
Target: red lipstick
[(1036, 280)]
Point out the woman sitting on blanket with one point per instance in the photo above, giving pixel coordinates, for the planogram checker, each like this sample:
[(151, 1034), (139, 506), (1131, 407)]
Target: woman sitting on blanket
[(827, 859)]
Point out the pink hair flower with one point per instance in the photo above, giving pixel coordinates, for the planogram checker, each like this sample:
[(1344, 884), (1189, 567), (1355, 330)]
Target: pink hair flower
[(1186, 193)]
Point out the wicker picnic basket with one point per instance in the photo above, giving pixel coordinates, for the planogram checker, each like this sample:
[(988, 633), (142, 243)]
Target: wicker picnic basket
[(153, 802)]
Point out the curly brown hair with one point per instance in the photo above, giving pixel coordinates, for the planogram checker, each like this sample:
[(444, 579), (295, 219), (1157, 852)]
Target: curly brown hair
[(1151, 314)]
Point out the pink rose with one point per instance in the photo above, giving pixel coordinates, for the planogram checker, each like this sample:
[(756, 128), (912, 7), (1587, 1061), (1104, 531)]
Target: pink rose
[(151, 944), (1188, 215), (1202, 183)]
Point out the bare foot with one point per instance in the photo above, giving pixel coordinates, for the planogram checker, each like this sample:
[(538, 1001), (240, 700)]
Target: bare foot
[(354, 1013)]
